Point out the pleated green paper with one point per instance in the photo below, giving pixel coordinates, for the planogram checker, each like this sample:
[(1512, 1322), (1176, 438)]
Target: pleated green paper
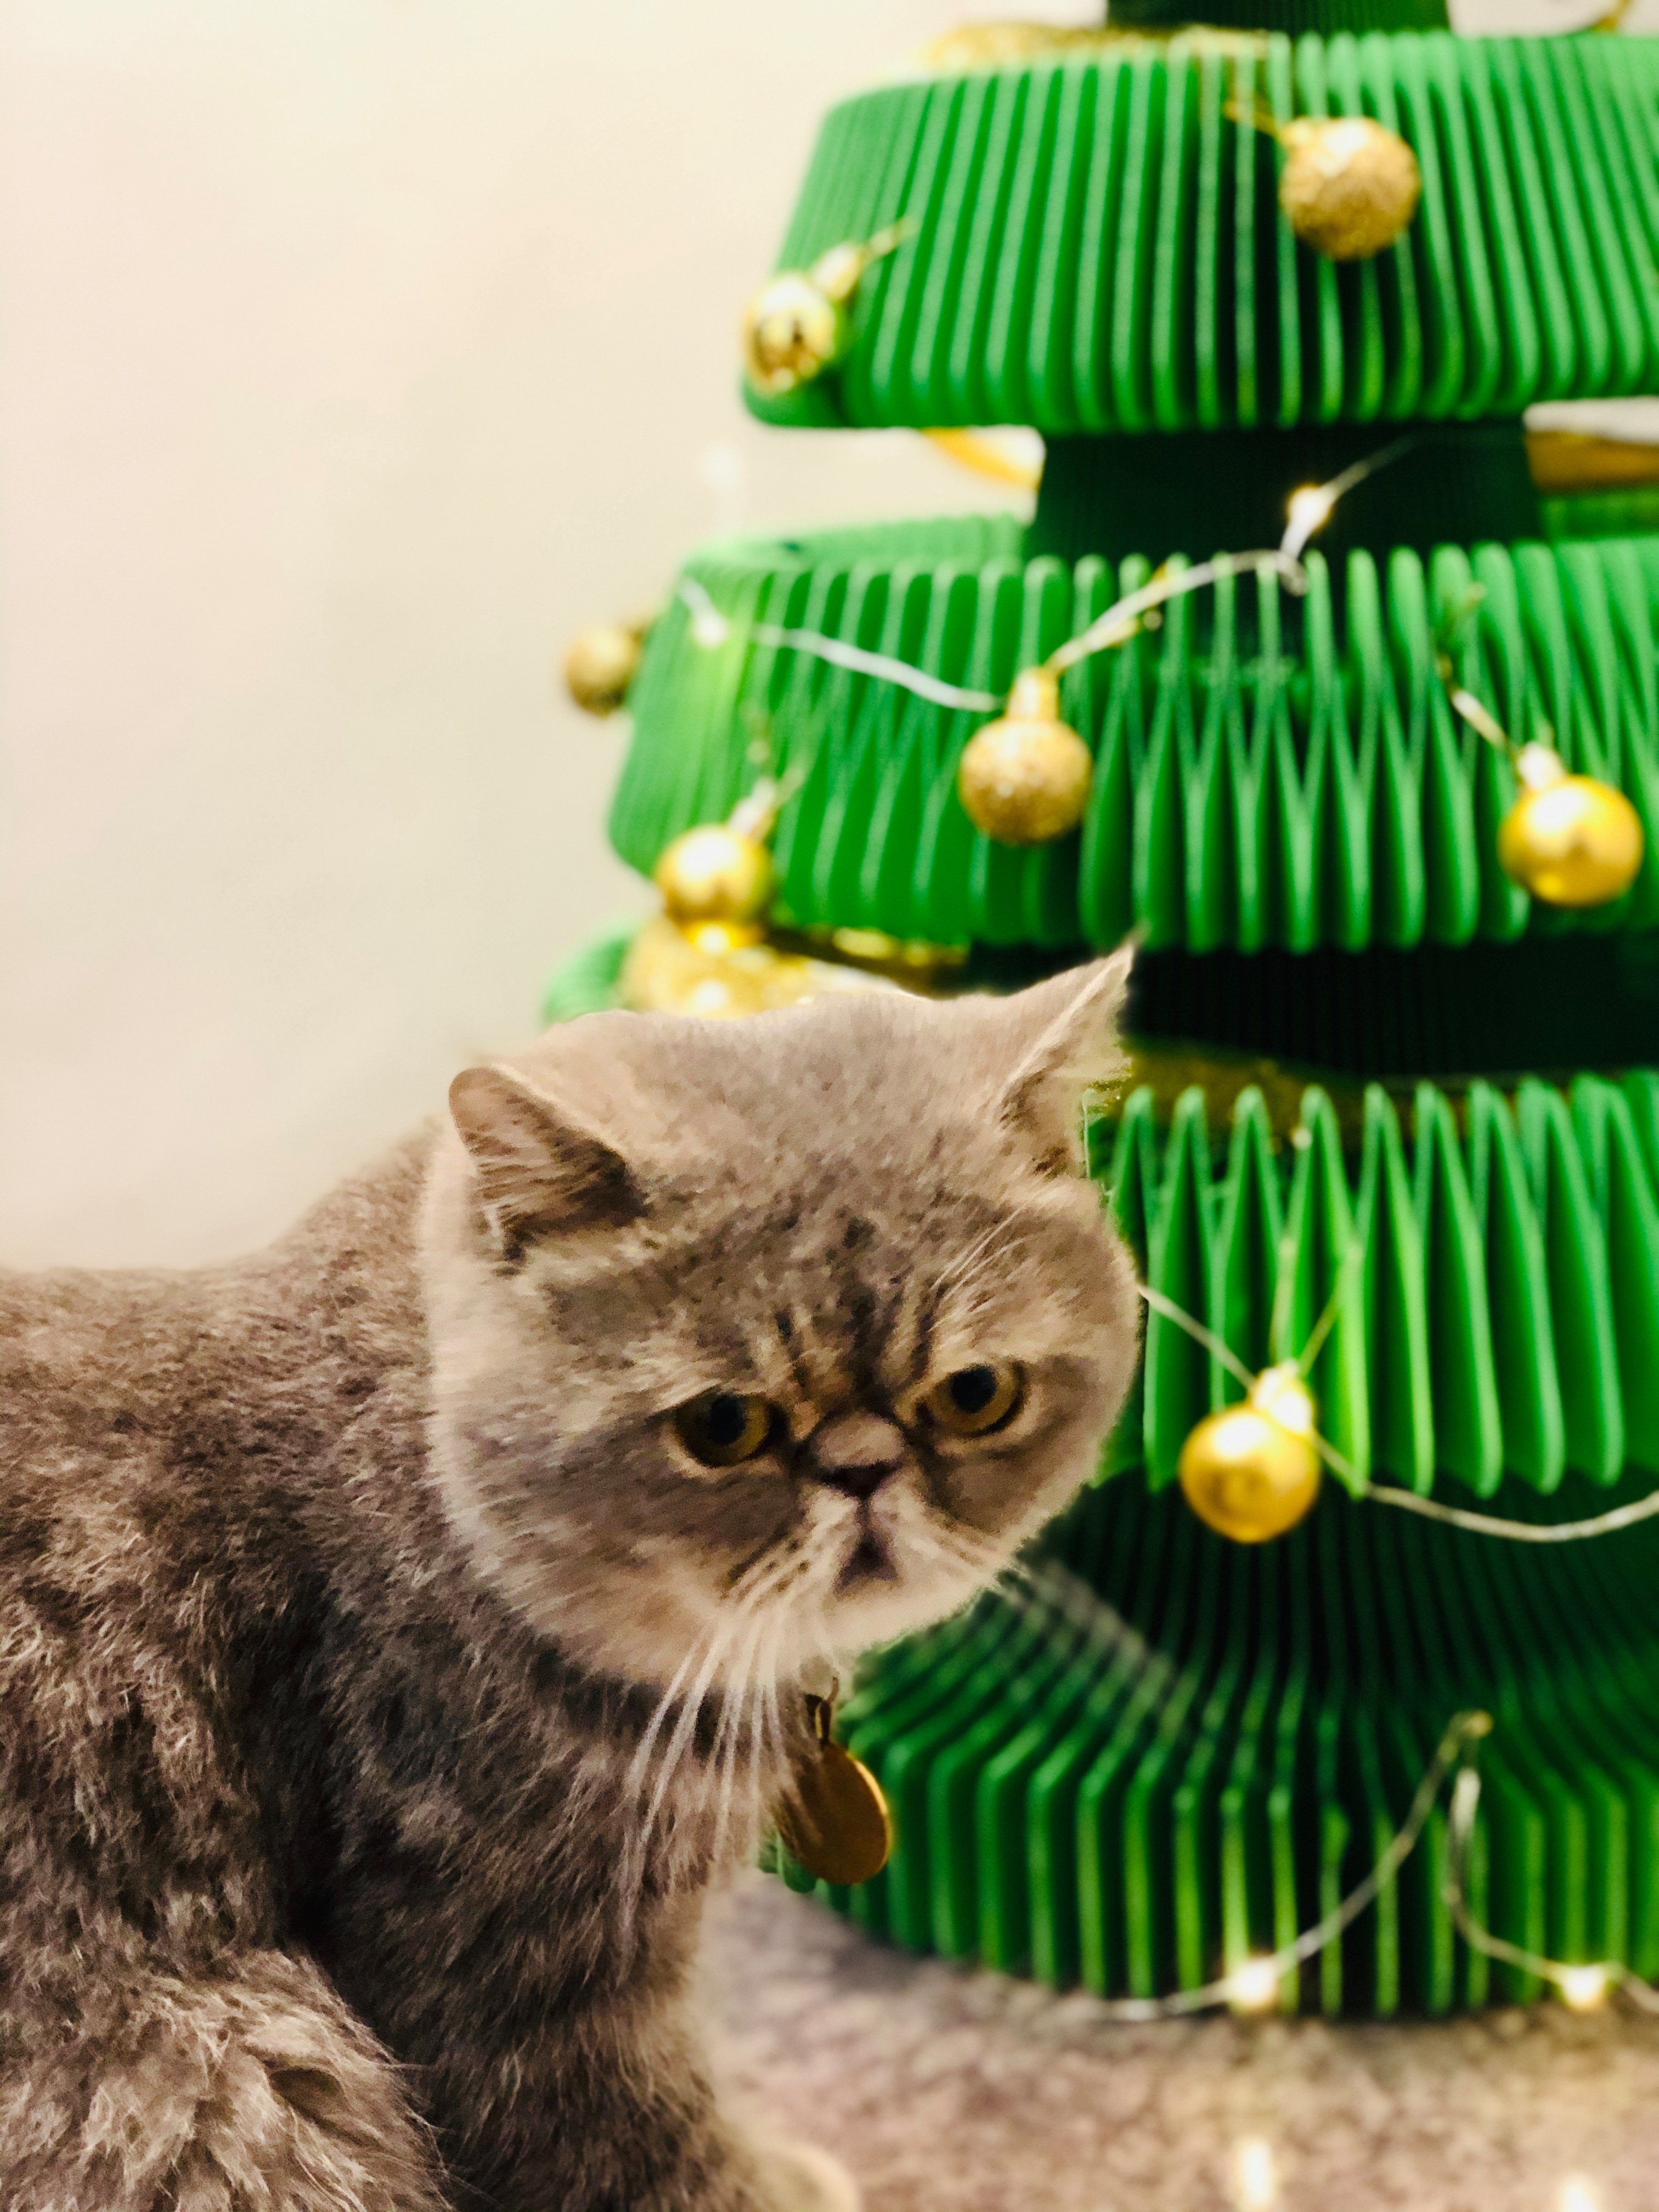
[(1499, 1320), (1099, 247), (1268, 771), (1175, 1753)]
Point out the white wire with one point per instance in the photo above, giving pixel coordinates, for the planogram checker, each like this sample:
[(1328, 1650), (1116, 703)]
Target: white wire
[(877, 663), (1114, 627), (1122, 619), (1518, 1532), (1211, 1342), (1460, 1834), (1463, 1730)]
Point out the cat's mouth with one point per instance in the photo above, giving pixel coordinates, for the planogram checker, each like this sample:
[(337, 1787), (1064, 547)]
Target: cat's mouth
[(870, 1560)]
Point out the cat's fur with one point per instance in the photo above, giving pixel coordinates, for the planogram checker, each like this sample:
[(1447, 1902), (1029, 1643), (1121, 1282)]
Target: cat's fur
[(381, 1683)]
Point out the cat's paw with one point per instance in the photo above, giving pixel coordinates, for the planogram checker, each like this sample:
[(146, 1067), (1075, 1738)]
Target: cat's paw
[(801, 2178)]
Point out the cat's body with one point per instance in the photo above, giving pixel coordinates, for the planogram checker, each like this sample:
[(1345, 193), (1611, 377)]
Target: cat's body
[(351, 1843)]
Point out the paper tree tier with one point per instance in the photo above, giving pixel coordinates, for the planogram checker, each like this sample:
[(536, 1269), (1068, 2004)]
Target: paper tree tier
[(1270, 772), (1099, 245)]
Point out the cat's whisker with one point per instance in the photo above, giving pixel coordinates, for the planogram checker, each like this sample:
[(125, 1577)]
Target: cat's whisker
[(982, 1560), (765, 1688), (1102, 1624), (980, 1557), (720, 1643), (967, 1267), (728, 1736), (766, 1706), (1050, 1593), (641, 1758), (726, 1625)]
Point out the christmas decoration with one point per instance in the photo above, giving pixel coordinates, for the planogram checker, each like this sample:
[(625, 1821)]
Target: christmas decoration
[(1252, 1472), (1024, 778), (599, 665), (722, 971), (1568, 839), (797, 324), (1348, 187), (1289, 559), (722, 876)]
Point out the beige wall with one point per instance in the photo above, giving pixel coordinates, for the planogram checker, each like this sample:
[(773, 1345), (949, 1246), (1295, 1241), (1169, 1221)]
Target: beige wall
[(354, 352)]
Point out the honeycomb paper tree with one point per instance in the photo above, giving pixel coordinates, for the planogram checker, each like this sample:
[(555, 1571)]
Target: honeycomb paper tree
[(1198, 1751)]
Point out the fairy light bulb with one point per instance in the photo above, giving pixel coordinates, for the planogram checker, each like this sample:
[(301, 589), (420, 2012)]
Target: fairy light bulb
[(1569, 840), (1254, 1987), (1582, 1988), (1251, 1471), (1255, 2175), (1307, 510)]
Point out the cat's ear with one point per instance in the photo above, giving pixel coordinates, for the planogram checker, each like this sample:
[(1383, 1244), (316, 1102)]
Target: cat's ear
[(537, 1167), (1066, 1036)]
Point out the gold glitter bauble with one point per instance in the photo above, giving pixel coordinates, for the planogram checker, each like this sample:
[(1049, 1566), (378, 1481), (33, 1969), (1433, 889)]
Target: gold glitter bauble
[(599, 665), (1004, 45), (1349, 187), (721, 971), (1025, 778), (797, 324), (1251, 1472), (1569, 840), (716, 873)]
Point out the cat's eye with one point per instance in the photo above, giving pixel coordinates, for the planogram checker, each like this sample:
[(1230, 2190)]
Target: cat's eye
[(972, 1400), (723, 1428)]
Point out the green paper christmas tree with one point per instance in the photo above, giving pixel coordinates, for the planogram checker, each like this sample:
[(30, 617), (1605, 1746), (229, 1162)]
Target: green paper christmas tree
[(1416, 1091)]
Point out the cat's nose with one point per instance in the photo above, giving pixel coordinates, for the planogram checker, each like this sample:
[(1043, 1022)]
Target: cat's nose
[(856, 1453)]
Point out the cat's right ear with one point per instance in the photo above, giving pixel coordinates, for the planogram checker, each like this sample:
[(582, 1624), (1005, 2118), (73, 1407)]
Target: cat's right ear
[(537, 1168)]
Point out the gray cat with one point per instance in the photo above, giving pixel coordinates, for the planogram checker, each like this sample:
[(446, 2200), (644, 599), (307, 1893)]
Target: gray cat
[(400, 1629)]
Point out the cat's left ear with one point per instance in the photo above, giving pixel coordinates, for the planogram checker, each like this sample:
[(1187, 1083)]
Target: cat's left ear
[(1070, 1028), (538, 1167)]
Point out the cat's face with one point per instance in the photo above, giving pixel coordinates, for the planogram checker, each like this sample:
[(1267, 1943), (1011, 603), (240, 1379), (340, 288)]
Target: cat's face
[(764, 1341)]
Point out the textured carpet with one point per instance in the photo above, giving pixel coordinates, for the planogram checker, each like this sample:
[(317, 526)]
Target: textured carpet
[(949, 2091)]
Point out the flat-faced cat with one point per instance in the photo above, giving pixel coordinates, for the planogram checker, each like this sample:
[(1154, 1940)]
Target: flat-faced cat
[(399, 1629)]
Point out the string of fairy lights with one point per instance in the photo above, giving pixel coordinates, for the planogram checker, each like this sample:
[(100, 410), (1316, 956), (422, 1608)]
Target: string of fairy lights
[(1257, 1983), (1024, 778)]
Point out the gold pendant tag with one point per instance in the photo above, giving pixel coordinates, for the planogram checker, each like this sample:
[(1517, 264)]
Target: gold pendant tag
[(834, 1818)]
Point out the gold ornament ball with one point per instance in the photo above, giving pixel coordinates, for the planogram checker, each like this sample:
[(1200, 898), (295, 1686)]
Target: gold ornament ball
[(1024, 778), (793, 331), (1349, 187), (716, 874), (1569, 840), (723, 970), (1251, 1472), (599, 665)]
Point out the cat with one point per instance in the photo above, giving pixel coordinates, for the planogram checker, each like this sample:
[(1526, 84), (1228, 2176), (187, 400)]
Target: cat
[(402, 1628)]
